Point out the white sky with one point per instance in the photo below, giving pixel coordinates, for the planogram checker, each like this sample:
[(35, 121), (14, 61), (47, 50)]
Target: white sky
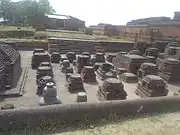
[(117, 12)]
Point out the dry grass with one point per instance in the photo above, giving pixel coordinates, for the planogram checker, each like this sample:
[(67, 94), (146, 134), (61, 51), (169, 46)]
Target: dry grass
[(164, 124), (43, 35)]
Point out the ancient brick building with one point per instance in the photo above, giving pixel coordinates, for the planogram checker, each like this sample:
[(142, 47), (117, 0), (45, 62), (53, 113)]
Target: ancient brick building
[(55, 21), (12, 65)]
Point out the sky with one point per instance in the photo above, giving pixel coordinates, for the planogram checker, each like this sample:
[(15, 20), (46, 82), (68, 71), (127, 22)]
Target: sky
[(117, 12)]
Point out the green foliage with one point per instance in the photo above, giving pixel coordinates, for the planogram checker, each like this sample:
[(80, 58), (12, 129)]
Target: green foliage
[(24, 12), (16, 33)]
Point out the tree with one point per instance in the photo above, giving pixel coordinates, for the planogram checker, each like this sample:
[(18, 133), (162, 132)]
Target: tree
[(24, 11)]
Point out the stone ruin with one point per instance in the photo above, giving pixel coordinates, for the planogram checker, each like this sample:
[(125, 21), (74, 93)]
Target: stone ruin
[(38, 50), (75, 83), (55, 57), (48, 64), (106, 70), (71, 56), (170, 69), (49, 95), (161, 45), (37, 58), (111, 89), (130, 62), (88, 74), (82, 61), (152, 86), (100, 57), (120, 71), (128, 78), (81, 97), (41, 84), (135, 52), (92, 60), (152, 52), (147, 69), (44, 71), (86, 53), (10, 67), (110, 57), (151, 59), (63, 57), (64, 65)]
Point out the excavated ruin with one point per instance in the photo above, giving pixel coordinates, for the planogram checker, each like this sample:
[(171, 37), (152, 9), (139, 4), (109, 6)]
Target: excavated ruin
[(170, 69), (111, 89), (55, 57), (75, 83), (88, 74), (37, 58), (147, 69), (151, 86), (82, 61), (106, 70)]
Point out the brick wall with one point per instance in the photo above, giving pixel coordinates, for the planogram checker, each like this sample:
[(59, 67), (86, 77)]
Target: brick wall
[(78, 46)]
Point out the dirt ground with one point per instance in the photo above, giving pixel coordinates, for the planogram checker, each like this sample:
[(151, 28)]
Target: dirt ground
[(30, 99)]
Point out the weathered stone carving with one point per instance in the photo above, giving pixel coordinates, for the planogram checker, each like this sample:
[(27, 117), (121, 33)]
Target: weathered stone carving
[(129, 61), (88, 74), (49, 95), (128, 77), (41, 84), (81, 97), (82, 61), (111, 89), (100, 57), (135, 52), (106, 70), (64, 65), (37, 58), (147, 69), (151, 86), (55, 57), (71, 56), (75, 83), (170, 69), (110, 57), (86, 53), (38, 50), (43, 71), (152, 52)]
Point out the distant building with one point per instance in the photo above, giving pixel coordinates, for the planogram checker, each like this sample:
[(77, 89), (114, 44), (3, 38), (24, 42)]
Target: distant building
[(105, 29), (55, 21), (176, 16)]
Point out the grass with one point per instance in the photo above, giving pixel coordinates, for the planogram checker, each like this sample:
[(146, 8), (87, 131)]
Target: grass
[(15, 28), (23, 40), (163, 124), (41, 36)]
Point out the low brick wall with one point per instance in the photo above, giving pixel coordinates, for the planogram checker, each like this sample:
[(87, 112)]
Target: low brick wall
[(34, 117), (78, 45), (25, 46)]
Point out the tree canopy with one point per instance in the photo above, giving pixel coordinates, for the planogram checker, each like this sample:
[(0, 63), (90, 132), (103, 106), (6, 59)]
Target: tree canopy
[(24, 11)]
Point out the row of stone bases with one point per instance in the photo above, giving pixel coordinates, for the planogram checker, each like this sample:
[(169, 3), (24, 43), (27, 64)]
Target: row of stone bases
[(152, 68)]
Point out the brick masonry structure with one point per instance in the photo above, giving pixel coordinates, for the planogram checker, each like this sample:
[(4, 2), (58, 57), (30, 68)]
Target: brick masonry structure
[(12, 63), (79, 46)]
